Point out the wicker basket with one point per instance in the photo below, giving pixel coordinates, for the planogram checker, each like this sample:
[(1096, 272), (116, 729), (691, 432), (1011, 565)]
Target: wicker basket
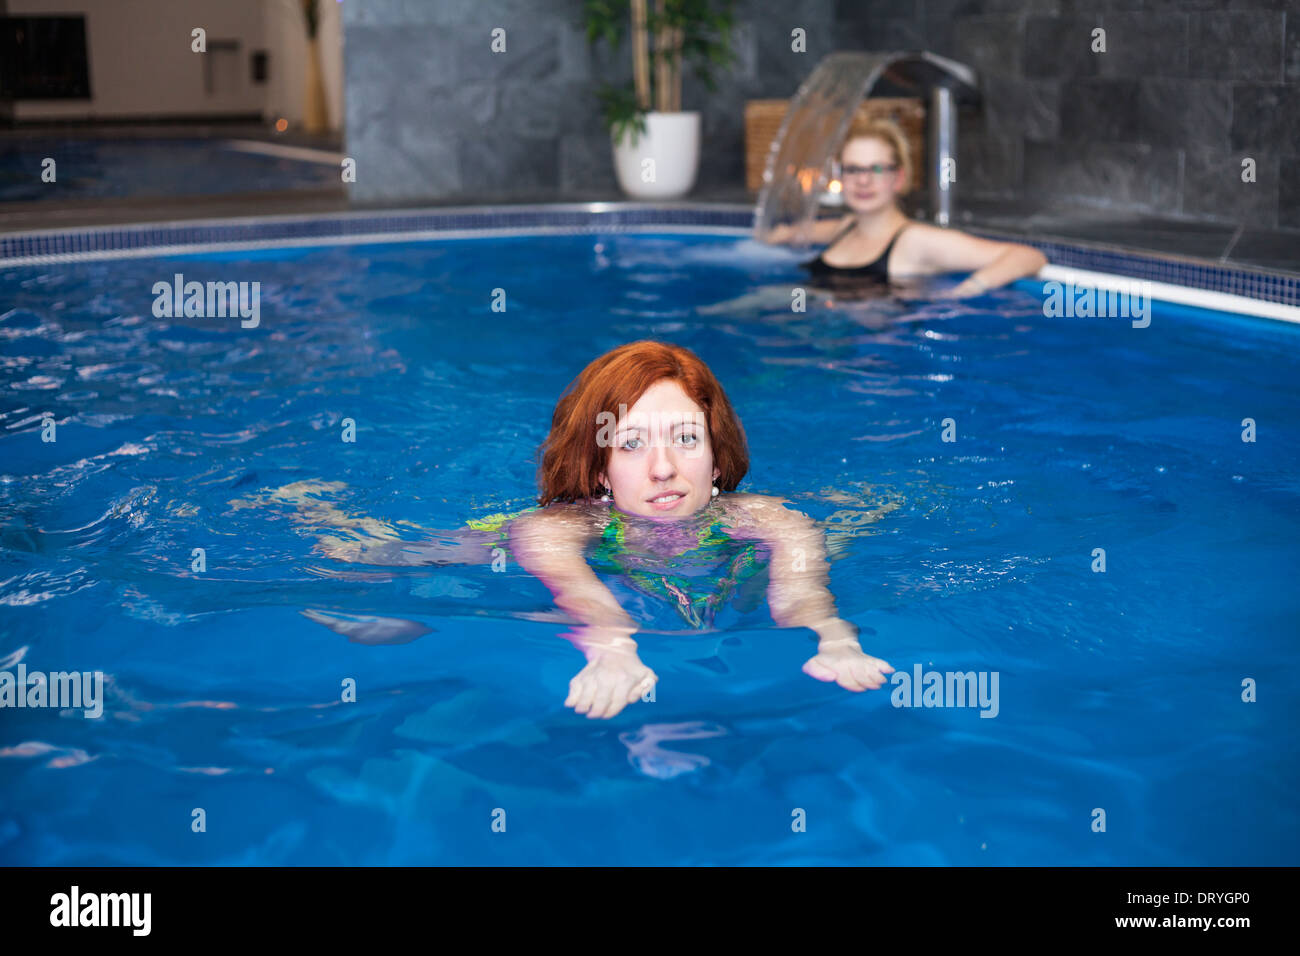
[(763, 121)]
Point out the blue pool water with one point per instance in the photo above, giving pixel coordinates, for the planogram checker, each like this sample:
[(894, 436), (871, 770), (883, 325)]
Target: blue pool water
[(100, 169), (1119, 690)]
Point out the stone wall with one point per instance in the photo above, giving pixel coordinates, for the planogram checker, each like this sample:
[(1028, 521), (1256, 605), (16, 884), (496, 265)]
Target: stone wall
[(1160, 122)]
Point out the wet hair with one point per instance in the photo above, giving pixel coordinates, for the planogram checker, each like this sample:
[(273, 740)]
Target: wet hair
[(571, 458), (888, 132)]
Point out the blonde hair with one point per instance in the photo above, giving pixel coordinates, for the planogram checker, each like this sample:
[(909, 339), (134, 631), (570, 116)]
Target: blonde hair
[(887, 132)]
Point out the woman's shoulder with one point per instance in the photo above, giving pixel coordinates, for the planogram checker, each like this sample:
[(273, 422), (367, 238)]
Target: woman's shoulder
[(914, 230), (919, 234), (745, 511), (568, 517), (749, 501), (823, 232), (920, 247)]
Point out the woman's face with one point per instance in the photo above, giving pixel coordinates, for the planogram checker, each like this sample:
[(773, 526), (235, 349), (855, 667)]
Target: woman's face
[(869, 191), (661, 449)]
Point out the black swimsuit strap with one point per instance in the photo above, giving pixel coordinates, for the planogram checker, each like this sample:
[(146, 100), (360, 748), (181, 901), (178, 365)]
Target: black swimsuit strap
[(840, 235), (893, 239), (888, 249)]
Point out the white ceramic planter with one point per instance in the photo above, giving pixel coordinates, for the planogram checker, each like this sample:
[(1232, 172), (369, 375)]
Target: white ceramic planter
[(663, 162)]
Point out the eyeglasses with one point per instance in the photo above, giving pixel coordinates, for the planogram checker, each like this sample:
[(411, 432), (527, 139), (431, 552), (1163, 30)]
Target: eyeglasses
[(876, 169)]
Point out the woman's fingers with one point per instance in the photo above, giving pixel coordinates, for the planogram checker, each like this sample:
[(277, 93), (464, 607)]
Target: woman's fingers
[(849, 679), (865, 674), (852, 672), (621, 696), (604, 693), (574, 686), (815, 668), (640, 687), (601, 693), (877, 669), (583, 694)]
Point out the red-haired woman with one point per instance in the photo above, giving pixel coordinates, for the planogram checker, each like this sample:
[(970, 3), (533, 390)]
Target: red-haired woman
[(646, 450), (638, 478)]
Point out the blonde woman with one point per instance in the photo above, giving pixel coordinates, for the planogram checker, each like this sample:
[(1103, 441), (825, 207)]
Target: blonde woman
[(875, 241)]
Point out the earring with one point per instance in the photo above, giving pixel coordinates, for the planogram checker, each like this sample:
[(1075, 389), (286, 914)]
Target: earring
[(605, 497), (715, 492)]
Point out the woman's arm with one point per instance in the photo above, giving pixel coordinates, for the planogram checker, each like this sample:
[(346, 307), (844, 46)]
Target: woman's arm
[(990, 263), (549, 544), (461, 546), (358, 539), (820, 232), (798, 592)]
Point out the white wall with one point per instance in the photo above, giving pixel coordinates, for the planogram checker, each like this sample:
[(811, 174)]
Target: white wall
[(287, 40), (141, 64)]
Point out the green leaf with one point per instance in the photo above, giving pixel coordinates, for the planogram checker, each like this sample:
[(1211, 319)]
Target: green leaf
[(620, 110)]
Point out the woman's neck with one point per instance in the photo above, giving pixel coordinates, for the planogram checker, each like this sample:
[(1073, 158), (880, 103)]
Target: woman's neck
[(881, 222), (667, 537)]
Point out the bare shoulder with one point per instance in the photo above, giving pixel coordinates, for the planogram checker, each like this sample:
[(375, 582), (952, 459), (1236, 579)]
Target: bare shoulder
[(927, 248), (560, 520), (747, 514), (824, 230), (917, 233)]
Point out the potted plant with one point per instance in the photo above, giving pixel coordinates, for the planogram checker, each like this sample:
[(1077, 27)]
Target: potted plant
[(657, 150)]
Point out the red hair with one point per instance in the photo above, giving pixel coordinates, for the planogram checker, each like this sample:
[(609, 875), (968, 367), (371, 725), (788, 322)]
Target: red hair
[(571, 459)]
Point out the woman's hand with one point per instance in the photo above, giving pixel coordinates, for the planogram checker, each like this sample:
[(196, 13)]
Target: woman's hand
[(614, 676), (965, 289), (777, 235), (841, 659), (339, 548)]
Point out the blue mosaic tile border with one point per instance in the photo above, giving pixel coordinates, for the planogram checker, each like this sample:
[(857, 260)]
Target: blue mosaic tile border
[(124, 238), (1261, 284), (71, 244)]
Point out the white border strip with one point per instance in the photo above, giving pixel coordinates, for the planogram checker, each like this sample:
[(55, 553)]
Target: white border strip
[(1177, 294), (322, 156)]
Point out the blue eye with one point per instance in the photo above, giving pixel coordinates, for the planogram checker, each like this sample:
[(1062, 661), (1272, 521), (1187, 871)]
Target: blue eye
[(626, 446), (688, 437)]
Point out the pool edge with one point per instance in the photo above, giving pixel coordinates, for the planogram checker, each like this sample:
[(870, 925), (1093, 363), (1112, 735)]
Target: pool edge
[(1244, 284)]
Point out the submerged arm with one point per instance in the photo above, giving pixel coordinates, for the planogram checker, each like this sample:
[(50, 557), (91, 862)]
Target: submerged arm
[(797, 590), (820, 231), (461, 546), (550, 544), (799, 595)]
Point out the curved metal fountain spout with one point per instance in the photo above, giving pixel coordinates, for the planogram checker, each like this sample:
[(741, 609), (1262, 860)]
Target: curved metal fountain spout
[(798, 167)]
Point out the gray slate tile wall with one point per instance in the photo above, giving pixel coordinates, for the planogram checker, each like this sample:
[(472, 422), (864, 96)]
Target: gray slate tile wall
[(1159, 123)]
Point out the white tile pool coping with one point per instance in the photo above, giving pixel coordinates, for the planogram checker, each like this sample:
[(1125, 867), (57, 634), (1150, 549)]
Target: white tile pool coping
[(393, 227), (1177, 294)]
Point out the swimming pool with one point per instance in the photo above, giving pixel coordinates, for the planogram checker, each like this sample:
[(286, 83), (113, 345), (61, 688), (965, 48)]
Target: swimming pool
[(1119, 690), (102, 169)]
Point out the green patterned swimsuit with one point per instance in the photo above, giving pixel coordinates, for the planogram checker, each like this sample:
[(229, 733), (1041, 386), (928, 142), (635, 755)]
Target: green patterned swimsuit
[(696, 596)]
